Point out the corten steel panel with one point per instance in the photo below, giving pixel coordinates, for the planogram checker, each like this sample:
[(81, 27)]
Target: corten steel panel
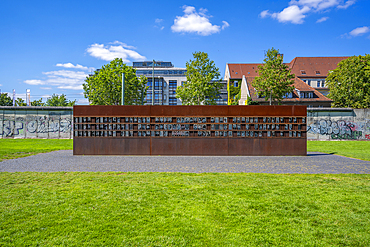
[(191, 145), (164, 146), (111, 146), (167, 111), (114, 111), (267, 146)]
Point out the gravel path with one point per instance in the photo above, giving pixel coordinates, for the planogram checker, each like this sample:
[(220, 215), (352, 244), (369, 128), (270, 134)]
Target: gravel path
[(65, 161)]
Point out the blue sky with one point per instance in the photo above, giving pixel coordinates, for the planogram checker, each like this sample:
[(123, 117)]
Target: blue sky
[(50, 46)]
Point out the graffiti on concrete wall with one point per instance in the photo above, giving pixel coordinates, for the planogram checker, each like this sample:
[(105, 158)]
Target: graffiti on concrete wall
[(340, 129), (34, 125)]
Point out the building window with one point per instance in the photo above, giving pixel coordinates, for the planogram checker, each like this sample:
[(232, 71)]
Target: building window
[(158, 84), (309, 82), (318, 83), (288, 95), (149, 84), (172, 101), (303, 72), (172, 84), (235, 83), (149, 97), (322, 83), (317, 72)]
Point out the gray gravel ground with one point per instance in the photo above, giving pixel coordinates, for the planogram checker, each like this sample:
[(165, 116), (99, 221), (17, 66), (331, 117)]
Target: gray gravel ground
[(65, 161)]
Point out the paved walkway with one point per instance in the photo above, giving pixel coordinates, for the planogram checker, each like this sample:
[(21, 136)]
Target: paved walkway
[(65, 161)]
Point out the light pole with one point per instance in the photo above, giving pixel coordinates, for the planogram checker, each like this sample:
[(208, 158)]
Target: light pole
[(153, 83), (123, 89)]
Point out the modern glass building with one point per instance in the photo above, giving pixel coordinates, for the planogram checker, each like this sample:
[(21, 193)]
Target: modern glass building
[(166, 80)]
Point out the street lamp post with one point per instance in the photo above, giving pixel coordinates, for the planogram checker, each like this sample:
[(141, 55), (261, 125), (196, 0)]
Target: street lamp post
[(153, 83), (123, 89)]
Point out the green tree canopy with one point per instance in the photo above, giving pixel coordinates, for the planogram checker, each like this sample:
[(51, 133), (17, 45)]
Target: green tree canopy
[(234, 93), (20, 102), (349, 83), (5, 100), (56, 100), (104, 87), (200, 86), (37, 103), (275, 79)]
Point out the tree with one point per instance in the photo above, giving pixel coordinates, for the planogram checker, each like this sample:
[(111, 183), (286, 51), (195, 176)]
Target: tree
[(5, 100), (200, 86), (234, 93), (250, 101), (37, 103), (349, 83), (275, 79), (56, 100), (20, 102), (104, 87)]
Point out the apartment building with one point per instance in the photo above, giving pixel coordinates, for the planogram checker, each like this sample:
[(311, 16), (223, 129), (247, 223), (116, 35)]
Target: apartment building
[(310, 74)]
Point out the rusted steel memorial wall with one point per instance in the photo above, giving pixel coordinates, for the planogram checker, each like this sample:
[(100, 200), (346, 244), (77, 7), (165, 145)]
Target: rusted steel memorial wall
[(190, 130)]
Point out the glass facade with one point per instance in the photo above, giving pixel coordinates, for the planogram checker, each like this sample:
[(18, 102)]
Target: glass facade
[(148, 72), (172, 101)]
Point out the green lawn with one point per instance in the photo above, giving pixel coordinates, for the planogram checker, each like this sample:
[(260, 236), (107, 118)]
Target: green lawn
[(352, 149), (16, 148), (174, 209)]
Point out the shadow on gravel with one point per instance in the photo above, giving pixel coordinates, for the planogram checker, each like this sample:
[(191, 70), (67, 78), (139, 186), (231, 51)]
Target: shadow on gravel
[(320, 154)]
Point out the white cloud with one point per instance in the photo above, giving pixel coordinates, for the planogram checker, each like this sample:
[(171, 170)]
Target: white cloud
[(298, 9), (34, 82), (1, 85), (82, 102), (359, 31), (291, 14), (123, 44), (195, 22), (265, 13), (62, 79), (316, 4), (110, 52), (46, 96), (347, 4), (158, 23), (225, 25), (71, 66), (322, 19), (45, 88)]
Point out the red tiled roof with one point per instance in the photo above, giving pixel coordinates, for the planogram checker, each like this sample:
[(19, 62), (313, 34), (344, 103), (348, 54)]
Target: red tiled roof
[(298, 84), (314, 66), (310, 65), (237, 70)]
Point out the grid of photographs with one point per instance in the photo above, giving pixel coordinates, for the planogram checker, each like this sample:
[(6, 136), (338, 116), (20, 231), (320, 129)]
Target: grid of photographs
[(177, 127)]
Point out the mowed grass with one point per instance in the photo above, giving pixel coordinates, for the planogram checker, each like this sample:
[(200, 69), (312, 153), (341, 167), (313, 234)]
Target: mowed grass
[(17, 148), (175, 209), (352, 149)]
